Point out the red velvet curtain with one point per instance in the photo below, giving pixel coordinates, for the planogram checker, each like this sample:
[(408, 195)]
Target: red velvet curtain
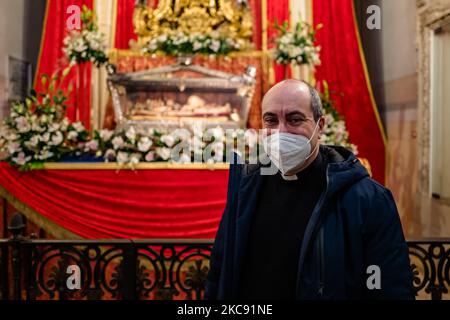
[(52, 59), (255, 6), (343, 67), (160, 203), (83, 93), (124, 24), (277, 10)]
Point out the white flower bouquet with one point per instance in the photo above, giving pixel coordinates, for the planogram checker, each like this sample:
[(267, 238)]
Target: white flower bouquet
[(131, 146), (87, 44), (297, 46), (38, 131), (183, 44)]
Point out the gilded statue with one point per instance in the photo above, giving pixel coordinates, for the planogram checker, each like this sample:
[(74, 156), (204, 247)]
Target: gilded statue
[(231, 18)]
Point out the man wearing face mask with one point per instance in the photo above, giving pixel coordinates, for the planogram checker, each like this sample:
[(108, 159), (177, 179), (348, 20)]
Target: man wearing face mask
[(317, 228)]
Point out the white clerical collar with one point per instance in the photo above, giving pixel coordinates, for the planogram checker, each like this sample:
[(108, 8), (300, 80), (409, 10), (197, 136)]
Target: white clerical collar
[(289, 178)]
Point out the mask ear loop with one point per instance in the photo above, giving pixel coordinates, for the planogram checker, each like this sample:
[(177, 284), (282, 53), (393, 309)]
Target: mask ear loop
[(315, 148), (317, 144), (314, 132)]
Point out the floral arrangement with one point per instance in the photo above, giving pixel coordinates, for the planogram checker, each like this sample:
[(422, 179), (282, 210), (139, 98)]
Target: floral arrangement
[(87, 44), (37, 130), (335, 131), (126, 147), (131, 146), (296, 46), (183, 44)]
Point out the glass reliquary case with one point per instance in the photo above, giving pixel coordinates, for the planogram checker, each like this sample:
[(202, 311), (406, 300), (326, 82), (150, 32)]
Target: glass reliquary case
[(181, 96)]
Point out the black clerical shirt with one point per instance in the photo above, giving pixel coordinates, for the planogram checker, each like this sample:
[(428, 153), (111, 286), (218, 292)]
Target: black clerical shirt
[(273, 249)]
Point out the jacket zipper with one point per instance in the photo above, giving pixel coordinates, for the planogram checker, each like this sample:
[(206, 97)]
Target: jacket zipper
[(319, 208), (321, 254)]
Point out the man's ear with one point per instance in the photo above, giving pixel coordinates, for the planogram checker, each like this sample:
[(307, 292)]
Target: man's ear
[(321, 124)]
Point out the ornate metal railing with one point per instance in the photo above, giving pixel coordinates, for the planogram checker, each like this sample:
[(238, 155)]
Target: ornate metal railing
[(153, 269), (108, 269), (430, 264)]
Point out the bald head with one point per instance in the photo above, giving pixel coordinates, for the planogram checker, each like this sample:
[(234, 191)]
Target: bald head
[(293, 92)]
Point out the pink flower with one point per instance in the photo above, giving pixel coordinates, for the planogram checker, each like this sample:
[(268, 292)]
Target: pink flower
[(21, 159), (22, 124), (150, 156), (91, 145), (117, 143), (144, 144)]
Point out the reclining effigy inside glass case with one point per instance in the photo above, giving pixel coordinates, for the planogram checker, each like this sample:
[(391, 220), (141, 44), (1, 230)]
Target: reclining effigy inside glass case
[(182, 95)]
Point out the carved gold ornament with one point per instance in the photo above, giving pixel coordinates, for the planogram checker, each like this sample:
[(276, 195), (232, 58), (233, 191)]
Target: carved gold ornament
[(230, 18)]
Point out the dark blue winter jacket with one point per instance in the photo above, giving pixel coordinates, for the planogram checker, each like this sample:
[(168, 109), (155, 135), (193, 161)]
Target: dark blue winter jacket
[(354, 225)]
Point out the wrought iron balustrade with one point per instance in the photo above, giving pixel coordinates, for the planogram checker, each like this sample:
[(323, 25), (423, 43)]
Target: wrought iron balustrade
[(154, 269)]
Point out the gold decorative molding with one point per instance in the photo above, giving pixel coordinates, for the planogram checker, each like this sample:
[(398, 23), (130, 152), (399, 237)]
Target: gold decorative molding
[(115, 53), (431, 14), (227, 17), (139, 166), (149, 166)]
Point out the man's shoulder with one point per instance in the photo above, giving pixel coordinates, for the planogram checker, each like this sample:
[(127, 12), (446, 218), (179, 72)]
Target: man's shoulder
[(368, 195), (369, 202)]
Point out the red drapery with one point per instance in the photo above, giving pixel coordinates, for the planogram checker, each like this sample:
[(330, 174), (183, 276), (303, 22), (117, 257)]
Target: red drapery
[(156, 203), (255, 6), (343, 67), (124, 24), (277, 10), (83, 93), (52, 59)]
